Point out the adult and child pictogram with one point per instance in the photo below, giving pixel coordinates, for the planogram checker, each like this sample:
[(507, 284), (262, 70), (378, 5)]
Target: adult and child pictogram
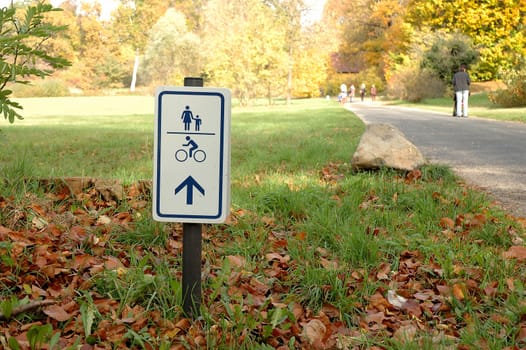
[(191, 150), (188, 117)]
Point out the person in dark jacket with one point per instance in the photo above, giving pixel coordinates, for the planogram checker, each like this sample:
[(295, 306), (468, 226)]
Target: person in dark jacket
[(461, 83)]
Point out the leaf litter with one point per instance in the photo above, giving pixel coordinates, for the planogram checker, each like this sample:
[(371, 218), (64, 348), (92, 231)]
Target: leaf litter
[(54, 246)]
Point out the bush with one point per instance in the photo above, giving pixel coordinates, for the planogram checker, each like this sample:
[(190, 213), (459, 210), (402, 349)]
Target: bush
[(447, 53), (411, 83), (369, 76), (514, 95), (41, 88)]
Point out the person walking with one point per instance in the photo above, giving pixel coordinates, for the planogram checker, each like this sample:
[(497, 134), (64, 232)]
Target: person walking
[(342, 97), (373, 93), (461, 83), (362, 91), (352, 90)]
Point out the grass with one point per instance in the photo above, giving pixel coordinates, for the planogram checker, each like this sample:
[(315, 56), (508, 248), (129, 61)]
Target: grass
[(479, 104), (307, 236)]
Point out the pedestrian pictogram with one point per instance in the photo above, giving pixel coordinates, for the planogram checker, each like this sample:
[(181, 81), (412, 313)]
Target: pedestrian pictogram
[(192, 156)]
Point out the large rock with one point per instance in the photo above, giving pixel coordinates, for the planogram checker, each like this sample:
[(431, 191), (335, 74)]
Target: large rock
[(384, 146)]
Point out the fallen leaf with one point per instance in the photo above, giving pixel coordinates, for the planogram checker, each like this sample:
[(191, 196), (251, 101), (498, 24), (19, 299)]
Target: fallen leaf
[(515, 252), (314, 331), (521, 334), (383, 271), (103, 220), (458, 291), (57, 312), (378, 301), (447, 223), (406, 333), (236, 260), (375, 317), (412, 307), (396, 300), (329, 264)]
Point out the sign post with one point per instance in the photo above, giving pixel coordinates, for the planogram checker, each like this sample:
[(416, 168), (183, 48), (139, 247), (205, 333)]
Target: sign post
[(191, 181)]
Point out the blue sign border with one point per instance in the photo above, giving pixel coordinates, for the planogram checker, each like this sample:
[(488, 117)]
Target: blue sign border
[(221, 156)]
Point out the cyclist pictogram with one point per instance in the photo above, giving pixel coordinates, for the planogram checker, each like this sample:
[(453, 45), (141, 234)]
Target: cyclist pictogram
[(193, 152)]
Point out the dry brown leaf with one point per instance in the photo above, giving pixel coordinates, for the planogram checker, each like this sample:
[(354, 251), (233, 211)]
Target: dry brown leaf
[(378, 301), (405, 333), (396, 300), (458, 291), (478, 220), (447, 223), (515, 252), (236, 260), (375, 317), (57, 312), (330, 265), (412, 307), (521, 334), (383, 271), (314, 331)]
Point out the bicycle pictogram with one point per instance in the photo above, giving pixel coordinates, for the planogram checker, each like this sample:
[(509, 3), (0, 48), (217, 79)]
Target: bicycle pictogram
[(197, 154)]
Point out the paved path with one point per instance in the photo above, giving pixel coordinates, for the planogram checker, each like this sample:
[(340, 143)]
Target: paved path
[(485, 153)]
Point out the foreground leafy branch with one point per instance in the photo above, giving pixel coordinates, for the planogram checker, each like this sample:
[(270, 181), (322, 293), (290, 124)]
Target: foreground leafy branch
[(22, 55)]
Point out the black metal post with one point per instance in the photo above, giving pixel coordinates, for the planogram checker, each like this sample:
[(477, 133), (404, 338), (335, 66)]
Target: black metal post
[(192, 242)]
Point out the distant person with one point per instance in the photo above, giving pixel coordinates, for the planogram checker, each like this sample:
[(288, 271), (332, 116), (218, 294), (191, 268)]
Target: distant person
[(352, 91), (362, 91), (461, 83), (373, 92), (342, 97)]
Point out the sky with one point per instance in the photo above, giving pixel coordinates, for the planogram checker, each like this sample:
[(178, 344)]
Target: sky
[(109, 5)]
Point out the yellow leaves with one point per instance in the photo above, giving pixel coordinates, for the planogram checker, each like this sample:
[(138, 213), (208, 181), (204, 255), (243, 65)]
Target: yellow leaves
[(458, 291)]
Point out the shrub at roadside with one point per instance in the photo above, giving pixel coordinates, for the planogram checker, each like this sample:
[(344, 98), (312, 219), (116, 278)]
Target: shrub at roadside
[(414, 84), (44, 88), (514, 95)]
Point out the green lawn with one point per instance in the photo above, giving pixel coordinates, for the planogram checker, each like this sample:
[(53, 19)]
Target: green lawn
[(313, 255), (479, 104)]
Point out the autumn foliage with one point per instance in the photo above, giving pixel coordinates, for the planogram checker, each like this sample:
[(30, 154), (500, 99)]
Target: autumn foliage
[(64, 251)]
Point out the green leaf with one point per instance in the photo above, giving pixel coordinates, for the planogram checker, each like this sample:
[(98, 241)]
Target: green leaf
[(87, 314)]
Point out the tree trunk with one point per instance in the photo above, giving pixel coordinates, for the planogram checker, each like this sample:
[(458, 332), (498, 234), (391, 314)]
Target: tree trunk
[(135, 69), (289, 77)]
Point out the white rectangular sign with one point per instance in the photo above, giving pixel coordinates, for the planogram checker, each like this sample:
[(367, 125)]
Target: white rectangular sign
[(191, 180)]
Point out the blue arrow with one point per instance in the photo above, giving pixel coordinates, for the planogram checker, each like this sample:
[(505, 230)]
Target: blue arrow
[(190, 183)]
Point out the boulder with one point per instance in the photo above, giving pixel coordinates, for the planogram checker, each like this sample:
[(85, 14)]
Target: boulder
[(384, 146)]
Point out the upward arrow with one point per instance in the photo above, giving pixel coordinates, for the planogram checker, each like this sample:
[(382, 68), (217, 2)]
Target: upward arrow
[(190, 183)]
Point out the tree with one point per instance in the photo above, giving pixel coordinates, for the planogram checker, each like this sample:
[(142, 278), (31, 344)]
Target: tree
[(132, 22), (289, 13), (172, 52), (447, 53), (21, 52), (496, 27), (244, 48), (372, 30), (311, 61)]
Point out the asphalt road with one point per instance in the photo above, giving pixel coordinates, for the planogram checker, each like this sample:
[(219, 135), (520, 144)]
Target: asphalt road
[(485, 153)]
